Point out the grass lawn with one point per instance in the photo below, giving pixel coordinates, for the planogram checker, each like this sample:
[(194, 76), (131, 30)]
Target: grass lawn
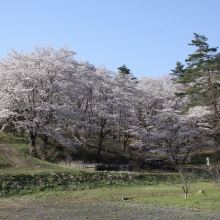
[(208, 200), (162, 195)]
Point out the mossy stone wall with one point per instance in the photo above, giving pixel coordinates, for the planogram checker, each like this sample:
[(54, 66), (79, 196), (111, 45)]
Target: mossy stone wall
[(16, 183)]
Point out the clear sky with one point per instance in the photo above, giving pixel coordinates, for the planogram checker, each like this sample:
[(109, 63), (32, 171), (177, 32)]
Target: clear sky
[(148, 36)]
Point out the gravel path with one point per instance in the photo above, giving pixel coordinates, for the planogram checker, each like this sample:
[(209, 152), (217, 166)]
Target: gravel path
[(45, 209)]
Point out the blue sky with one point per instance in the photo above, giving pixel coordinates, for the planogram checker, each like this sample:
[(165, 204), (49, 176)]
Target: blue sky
[(148, 36)]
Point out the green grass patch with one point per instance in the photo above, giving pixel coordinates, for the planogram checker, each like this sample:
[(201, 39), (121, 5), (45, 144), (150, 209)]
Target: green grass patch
[(10, 138), (173, 196), (161, 195), (3, 163)]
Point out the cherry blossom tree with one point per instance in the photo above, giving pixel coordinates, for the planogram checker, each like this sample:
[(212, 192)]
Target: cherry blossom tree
[(157, 94), (170, 133), (35, 86), (126, 96)]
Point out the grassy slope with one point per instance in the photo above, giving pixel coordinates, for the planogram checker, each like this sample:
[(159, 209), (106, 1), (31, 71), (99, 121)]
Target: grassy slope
[(17, 147), (14, 159)]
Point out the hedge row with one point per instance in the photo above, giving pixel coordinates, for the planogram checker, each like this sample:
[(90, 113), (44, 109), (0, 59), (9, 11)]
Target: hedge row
[(11, 184)]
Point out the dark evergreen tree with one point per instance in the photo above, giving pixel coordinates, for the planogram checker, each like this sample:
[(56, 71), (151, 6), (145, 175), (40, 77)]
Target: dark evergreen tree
[(201, 76), (124, 70), (178, 73)]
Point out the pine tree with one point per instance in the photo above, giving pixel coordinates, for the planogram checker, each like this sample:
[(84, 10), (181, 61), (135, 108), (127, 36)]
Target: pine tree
[(178, 73), (201, 76), (125, 71)]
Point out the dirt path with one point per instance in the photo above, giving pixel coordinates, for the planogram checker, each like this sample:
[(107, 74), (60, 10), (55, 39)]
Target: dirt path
[(11, 155), (40, 209)]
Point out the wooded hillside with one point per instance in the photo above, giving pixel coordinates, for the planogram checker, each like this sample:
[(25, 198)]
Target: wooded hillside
[(51, 97)]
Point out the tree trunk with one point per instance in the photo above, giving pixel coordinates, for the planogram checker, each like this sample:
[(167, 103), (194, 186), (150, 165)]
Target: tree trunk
[(125, 140), (99, 149), (33, 136), (213, 98), (101, 136), (185, 157), (118, 134), (45, 140), (176, 164)]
